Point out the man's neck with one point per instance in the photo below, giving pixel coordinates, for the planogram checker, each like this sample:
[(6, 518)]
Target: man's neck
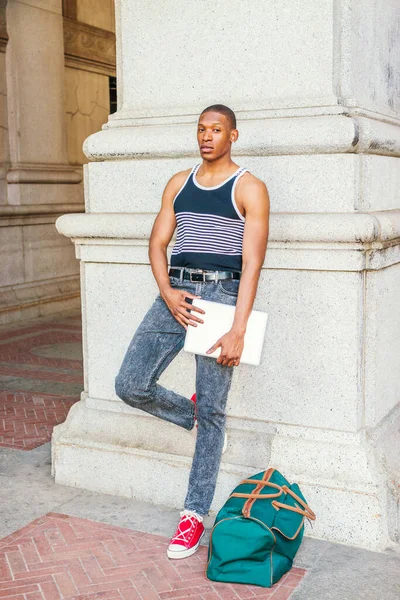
[(217, 167)]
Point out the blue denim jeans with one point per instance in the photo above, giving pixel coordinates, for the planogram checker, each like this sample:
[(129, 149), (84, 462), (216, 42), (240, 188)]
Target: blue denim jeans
[(158, 339)]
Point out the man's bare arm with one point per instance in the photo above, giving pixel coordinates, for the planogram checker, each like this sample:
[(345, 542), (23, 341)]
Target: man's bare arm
[(161, 235), (253, 196), (256, 204), (163, 230)]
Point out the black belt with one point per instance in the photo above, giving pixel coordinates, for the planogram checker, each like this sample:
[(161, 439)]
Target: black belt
[(195, 275)]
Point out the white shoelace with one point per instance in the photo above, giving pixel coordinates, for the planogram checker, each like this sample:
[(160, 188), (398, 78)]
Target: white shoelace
[(180, 536)]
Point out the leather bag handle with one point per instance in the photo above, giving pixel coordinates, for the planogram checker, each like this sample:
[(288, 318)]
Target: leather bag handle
[(259, 496), (252, 497), (307, 512)]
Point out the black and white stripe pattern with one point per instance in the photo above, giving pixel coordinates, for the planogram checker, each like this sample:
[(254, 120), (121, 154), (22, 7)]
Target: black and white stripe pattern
[(210, 226), (210, 233)]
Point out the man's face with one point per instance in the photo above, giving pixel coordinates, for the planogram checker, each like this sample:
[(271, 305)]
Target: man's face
[(214, 135)]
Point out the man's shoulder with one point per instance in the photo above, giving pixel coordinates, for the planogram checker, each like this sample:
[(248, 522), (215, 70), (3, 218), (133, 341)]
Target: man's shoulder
[(176, 182), (249, 182), (249, 179), (180, 176)]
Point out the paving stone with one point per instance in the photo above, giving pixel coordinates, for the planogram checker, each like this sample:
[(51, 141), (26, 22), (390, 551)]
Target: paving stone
[(26, 476), (310, 552), (345, 573), (124, 512), (41, 376), (40, 386), (64, 557), (27, 419)]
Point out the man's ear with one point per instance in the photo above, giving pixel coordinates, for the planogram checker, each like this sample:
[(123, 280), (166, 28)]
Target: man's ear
[(234, 135)]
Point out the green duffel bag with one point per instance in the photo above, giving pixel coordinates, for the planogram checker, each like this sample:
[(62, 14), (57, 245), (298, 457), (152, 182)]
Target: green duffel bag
[(258, 531)]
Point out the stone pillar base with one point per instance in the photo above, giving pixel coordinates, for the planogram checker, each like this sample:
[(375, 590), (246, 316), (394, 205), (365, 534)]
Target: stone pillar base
[(107, 447)]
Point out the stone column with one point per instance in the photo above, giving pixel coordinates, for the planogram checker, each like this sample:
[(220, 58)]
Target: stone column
[(36, 112), (39, 271), (315, 87)]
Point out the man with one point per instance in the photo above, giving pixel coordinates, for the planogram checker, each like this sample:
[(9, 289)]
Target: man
[(221, 212)]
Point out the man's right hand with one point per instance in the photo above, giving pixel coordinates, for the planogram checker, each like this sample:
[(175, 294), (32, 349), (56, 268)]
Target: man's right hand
[(176, 302)]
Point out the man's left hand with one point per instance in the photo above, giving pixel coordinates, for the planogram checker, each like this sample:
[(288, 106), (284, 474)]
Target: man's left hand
[(231, 345)]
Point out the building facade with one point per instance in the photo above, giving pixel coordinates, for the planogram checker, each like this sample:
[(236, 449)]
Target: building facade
[(56, 61)]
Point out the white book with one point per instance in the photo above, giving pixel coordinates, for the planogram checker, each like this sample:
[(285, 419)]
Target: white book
[(218, 320)]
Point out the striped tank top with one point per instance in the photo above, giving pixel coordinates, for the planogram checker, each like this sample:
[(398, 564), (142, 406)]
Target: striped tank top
[(209, 225)]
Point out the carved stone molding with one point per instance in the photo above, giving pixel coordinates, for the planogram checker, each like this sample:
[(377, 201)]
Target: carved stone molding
[(43, 173), (33, 210), (3, 26), (88, 47)]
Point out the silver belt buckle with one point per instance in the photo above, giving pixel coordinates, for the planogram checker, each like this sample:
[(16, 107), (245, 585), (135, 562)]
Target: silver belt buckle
[(197, 272)]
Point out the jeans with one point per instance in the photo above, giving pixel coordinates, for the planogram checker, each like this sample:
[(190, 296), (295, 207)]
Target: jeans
[(158, 339)]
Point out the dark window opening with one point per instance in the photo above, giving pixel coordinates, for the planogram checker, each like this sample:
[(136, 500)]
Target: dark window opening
[(113, 94)]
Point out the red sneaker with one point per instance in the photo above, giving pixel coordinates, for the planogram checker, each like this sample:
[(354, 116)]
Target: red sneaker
[(187, 536)]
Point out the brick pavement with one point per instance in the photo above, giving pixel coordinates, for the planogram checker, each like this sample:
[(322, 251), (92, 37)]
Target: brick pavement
[(27, 420), (63, 557), (43, 355), (22, 350)]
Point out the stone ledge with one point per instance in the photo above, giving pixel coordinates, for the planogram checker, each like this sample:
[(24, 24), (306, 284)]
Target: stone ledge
[(354, 228), (258, 137), (44, 173), (19, 210), (21, 295), (336, 458), (28, 301)]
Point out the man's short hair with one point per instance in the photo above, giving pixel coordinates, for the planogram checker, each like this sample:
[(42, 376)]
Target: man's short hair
[(224, 110)]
